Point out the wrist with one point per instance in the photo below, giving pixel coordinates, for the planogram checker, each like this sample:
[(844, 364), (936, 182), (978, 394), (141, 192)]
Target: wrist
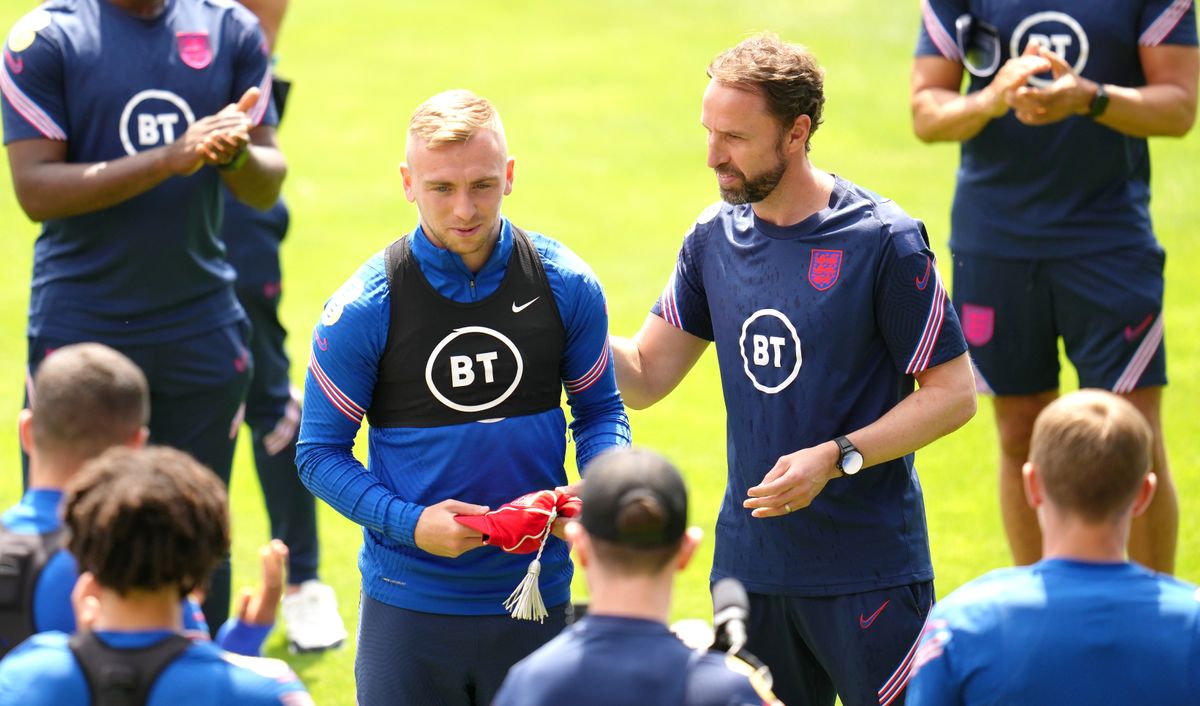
[(238, 161), (1085, 96)]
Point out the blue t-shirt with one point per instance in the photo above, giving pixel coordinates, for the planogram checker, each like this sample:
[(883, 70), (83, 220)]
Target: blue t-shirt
[(38, 513), (1062, 632), (111, 84), (819, 328), (43, 671), (489, 462), (1074, 187), (609, 661)]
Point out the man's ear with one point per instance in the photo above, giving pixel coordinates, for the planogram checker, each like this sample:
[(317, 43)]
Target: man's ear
[(25, 430), (578, 539), (798, 133), (1033, 485), (1145, 493), (407, 178), (508, 175), (687, 549)]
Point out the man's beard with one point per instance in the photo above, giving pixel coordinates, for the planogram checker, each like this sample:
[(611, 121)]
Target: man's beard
[(753, 190)]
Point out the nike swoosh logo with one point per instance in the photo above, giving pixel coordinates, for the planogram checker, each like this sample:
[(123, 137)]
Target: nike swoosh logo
[(1132, 333), (924, 280), (865, 623), (518, 309), (322, 343)]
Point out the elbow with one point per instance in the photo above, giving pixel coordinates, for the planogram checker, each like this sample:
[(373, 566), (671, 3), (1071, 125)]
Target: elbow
[(34, 203), (923, 129), (964, 405), (1182, 125)]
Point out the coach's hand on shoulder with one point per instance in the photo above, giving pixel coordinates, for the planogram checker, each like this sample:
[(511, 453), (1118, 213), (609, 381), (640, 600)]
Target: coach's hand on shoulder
[(794, 481), (438, 533)]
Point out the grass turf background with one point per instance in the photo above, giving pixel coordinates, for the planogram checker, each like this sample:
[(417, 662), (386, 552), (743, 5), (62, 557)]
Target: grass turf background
[(601, 104)]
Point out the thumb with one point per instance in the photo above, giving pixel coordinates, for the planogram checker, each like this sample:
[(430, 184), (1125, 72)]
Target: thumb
[(248, 99), (243, 604), (1032, 49), (1058, 66), (461, 508)]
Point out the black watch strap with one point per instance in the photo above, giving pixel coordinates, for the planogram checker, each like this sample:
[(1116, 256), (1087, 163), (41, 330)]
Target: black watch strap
[(844, 446), (1099, 102)]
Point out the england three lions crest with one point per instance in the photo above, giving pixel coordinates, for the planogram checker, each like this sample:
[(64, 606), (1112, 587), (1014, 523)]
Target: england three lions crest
[(824, 268), (194, 49)]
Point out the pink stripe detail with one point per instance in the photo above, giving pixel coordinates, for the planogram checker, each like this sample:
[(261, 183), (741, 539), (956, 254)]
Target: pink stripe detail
[(895, 685), (29, 110), (933, 327), (1165, 24), (670, 307), (946, 44), (590, 377), (1141, 358), (264, 99), (344, 404)]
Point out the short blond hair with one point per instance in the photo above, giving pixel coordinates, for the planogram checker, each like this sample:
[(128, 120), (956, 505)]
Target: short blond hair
[(1091, 449), (454, 116)]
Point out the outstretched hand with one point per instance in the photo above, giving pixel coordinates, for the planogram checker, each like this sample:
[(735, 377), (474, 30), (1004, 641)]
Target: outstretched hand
[(438, 533)]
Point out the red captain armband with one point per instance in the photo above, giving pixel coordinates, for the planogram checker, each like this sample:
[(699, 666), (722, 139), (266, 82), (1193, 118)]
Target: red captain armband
[(521, 526)]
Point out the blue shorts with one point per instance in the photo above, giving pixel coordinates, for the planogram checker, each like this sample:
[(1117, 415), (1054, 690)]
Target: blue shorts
[(858, 647), (1107, 308), (409, 657)]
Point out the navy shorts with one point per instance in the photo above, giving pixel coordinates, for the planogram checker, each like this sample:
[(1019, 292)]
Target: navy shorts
[(409, 657), (1107, 308), (858, 647)]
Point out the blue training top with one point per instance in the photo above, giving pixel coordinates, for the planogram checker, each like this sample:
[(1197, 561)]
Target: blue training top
[(111, 84), (39, 513), (43, 671), (1062, 632), (606, 660), (819, 328), (488, 463), (1074, 187)]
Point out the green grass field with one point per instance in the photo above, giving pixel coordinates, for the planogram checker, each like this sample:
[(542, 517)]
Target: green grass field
[(601, 104)]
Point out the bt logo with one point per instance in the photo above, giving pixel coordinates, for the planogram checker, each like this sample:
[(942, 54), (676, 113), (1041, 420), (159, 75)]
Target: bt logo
[(770, 350), (153, 118), (474, 368)]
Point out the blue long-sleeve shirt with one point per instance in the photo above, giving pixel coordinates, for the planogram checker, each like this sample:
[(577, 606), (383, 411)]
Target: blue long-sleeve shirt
[(488, 463)]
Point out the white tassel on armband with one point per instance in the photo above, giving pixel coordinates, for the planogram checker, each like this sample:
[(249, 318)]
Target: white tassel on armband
[(525, 602)]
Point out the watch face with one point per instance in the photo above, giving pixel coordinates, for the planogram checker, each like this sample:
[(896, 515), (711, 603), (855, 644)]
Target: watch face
[(852, 462)]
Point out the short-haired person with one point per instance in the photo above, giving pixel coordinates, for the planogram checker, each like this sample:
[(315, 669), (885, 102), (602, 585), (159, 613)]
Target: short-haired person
[(631, 540), (455, 343), (147, 526), (825, 305), (1050, 228), (87, 398), (1083, 625)]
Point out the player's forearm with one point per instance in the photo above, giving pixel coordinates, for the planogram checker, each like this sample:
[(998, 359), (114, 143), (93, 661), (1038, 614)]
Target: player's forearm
[(258, 182), (599, 429), (945, 401), (53, 190), (942, 115), (1160, 110), (333, 474)]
